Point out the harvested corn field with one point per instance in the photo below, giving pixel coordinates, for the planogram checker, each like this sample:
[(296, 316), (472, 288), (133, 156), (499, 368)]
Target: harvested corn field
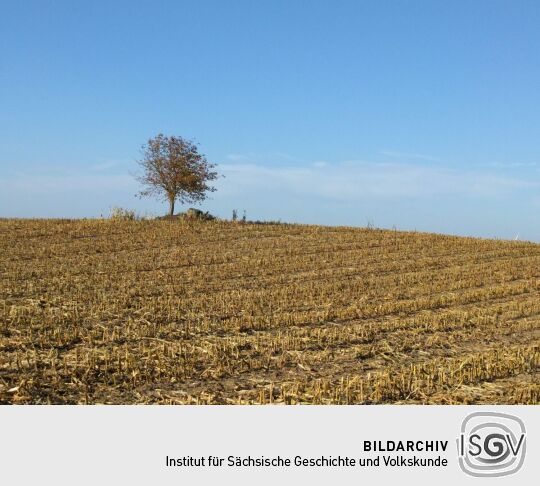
[(180, 312)]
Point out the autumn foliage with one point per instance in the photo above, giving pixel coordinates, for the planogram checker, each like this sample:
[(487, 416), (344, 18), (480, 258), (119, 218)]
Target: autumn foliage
[(174, 170)]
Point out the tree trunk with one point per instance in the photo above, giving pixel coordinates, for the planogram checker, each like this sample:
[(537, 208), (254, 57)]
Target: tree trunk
[(171, 206)]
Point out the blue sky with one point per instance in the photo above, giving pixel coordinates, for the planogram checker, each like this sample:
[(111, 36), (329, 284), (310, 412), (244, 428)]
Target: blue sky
[(418, 115)]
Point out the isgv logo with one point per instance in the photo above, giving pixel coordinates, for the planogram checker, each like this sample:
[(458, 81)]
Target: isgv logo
[(491, 444)]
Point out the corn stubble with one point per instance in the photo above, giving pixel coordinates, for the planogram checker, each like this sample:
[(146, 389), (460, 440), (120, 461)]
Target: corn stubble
[(180, 312)]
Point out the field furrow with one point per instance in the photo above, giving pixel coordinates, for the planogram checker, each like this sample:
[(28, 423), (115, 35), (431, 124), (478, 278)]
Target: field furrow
[(99, 311)]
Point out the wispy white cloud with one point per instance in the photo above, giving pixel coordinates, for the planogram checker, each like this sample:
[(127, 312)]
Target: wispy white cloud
[(409, 156), (356, 181), (241, 157), (513, 165), (285, 156), (347, 192), (108, 165), (56, 192), (39, 184), (263, 157), (345, 181)]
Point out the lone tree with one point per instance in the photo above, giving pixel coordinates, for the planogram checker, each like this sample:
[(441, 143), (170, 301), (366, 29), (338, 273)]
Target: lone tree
[(173, 169)]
